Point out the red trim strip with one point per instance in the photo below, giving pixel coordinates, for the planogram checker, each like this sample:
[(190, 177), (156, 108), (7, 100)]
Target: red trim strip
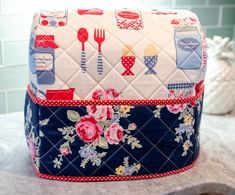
[(182, 100), (109, 178)]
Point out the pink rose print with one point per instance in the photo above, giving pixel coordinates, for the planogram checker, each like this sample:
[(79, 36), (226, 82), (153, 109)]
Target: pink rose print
[(112, 93), (189, 20), (64, 151), (175, 21), (184, 21), (114, 133), (31, 148), (99, 94), (132, 126), (101, 113), (88, 129), (176, 108)]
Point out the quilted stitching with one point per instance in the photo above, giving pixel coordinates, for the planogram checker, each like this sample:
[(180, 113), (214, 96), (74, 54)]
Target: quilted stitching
[(165, 157), (156, 134), (113, 68)]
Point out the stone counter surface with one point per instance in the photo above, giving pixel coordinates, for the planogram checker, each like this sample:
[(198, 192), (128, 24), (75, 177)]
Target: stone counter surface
[(213, 172)]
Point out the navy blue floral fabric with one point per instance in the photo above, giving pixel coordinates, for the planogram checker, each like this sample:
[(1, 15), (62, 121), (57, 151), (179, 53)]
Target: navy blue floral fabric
[(112, 140)]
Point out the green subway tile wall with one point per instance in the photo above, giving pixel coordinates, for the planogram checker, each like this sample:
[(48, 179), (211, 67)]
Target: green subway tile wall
[(228, 17), (208, 15), (0, 54), (191, 2), (2, 103), (14, 52), (217, 17), (18, 98)]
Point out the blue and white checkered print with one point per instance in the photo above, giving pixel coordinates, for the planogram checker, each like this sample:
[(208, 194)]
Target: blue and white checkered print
[(180, 86)]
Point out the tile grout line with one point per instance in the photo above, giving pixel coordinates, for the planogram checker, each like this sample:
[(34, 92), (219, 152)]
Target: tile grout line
[(220, 16), (234, 32), (3, 54), (6, 102), (1, 4)]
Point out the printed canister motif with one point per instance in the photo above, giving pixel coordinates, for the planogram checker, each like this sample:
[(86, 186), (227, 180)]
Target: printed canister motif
[(187, 43), (53, 18), (44, 55), (129, 19)]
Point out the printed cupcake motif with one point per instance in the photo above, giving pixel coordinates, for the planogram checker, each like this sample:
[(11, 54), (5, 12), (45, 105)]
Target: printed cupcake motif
[(128, 60), (150, 58)]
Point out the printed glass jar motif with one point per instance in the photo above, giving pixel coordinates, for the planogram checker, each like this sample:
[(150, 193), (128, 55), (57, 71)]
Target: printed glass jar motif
[(54, 18), (187, 43)]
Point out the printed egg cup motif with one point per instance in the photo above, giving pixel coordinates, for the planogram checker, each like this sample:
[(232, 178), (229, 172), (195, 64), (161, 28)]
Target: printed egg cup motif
[(126, 19)]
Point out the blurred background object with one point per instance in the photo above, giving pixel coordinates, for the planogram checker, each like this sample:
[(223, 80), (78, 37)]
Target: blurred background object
[(220, 79), (217, 17)]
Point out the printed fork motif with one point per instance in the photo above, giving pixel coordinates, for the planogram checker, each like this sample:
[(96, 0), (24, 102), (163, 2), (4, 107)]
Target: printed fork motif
[(99, 37)]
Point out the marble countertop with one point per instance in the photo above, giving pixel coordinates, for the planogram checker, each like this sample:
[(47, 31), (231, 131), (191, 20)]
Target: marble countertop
[(213, 172)]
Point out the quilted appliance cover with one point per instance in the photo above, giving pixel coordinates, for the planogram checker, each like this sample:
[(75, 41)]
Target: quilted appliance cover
[(114, 95)]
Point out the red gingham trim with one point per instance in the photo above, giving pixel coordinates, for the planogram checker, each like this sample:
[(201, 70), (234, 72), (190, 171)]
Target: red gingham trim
[(182, 100), (109, 178)]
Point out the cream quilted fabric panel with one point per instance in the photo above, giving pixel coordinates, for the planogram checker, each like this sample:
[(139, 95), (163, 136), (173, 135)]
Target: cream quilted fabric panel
[(166, 47)]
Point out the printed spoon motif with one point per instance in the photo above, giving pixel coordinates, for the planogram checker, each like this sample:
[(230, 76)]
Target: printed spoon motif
[(82, 36)]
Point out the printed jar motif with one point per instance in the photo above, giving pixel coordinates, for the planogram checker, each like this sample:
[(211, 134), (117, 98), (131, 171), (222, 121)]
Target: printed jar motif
[(44, 56), (129, 19), (54, 19), (187, 43)]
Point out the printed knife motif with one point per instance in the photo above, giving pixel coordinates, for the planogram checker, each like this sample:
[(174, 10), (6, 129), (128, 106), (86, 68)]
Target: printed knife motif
[(150, 59), (99, 37), (128, 60), (82, 36)]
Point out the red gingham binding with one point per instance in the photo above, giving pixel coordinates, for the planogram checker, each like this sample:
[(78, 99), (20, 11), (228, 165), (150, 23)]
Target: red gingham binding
[(181, 100), (109, 178)]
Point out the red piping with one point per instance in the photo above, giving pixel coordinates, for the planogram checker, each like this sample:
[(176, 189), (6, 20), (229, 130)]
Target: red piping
[(181, 100), (109, 178)]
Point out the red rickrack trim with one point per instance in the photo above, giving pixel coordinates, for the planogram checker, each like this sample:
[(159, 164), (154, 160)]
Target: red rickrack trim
[(109, 178), (182, 100)]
